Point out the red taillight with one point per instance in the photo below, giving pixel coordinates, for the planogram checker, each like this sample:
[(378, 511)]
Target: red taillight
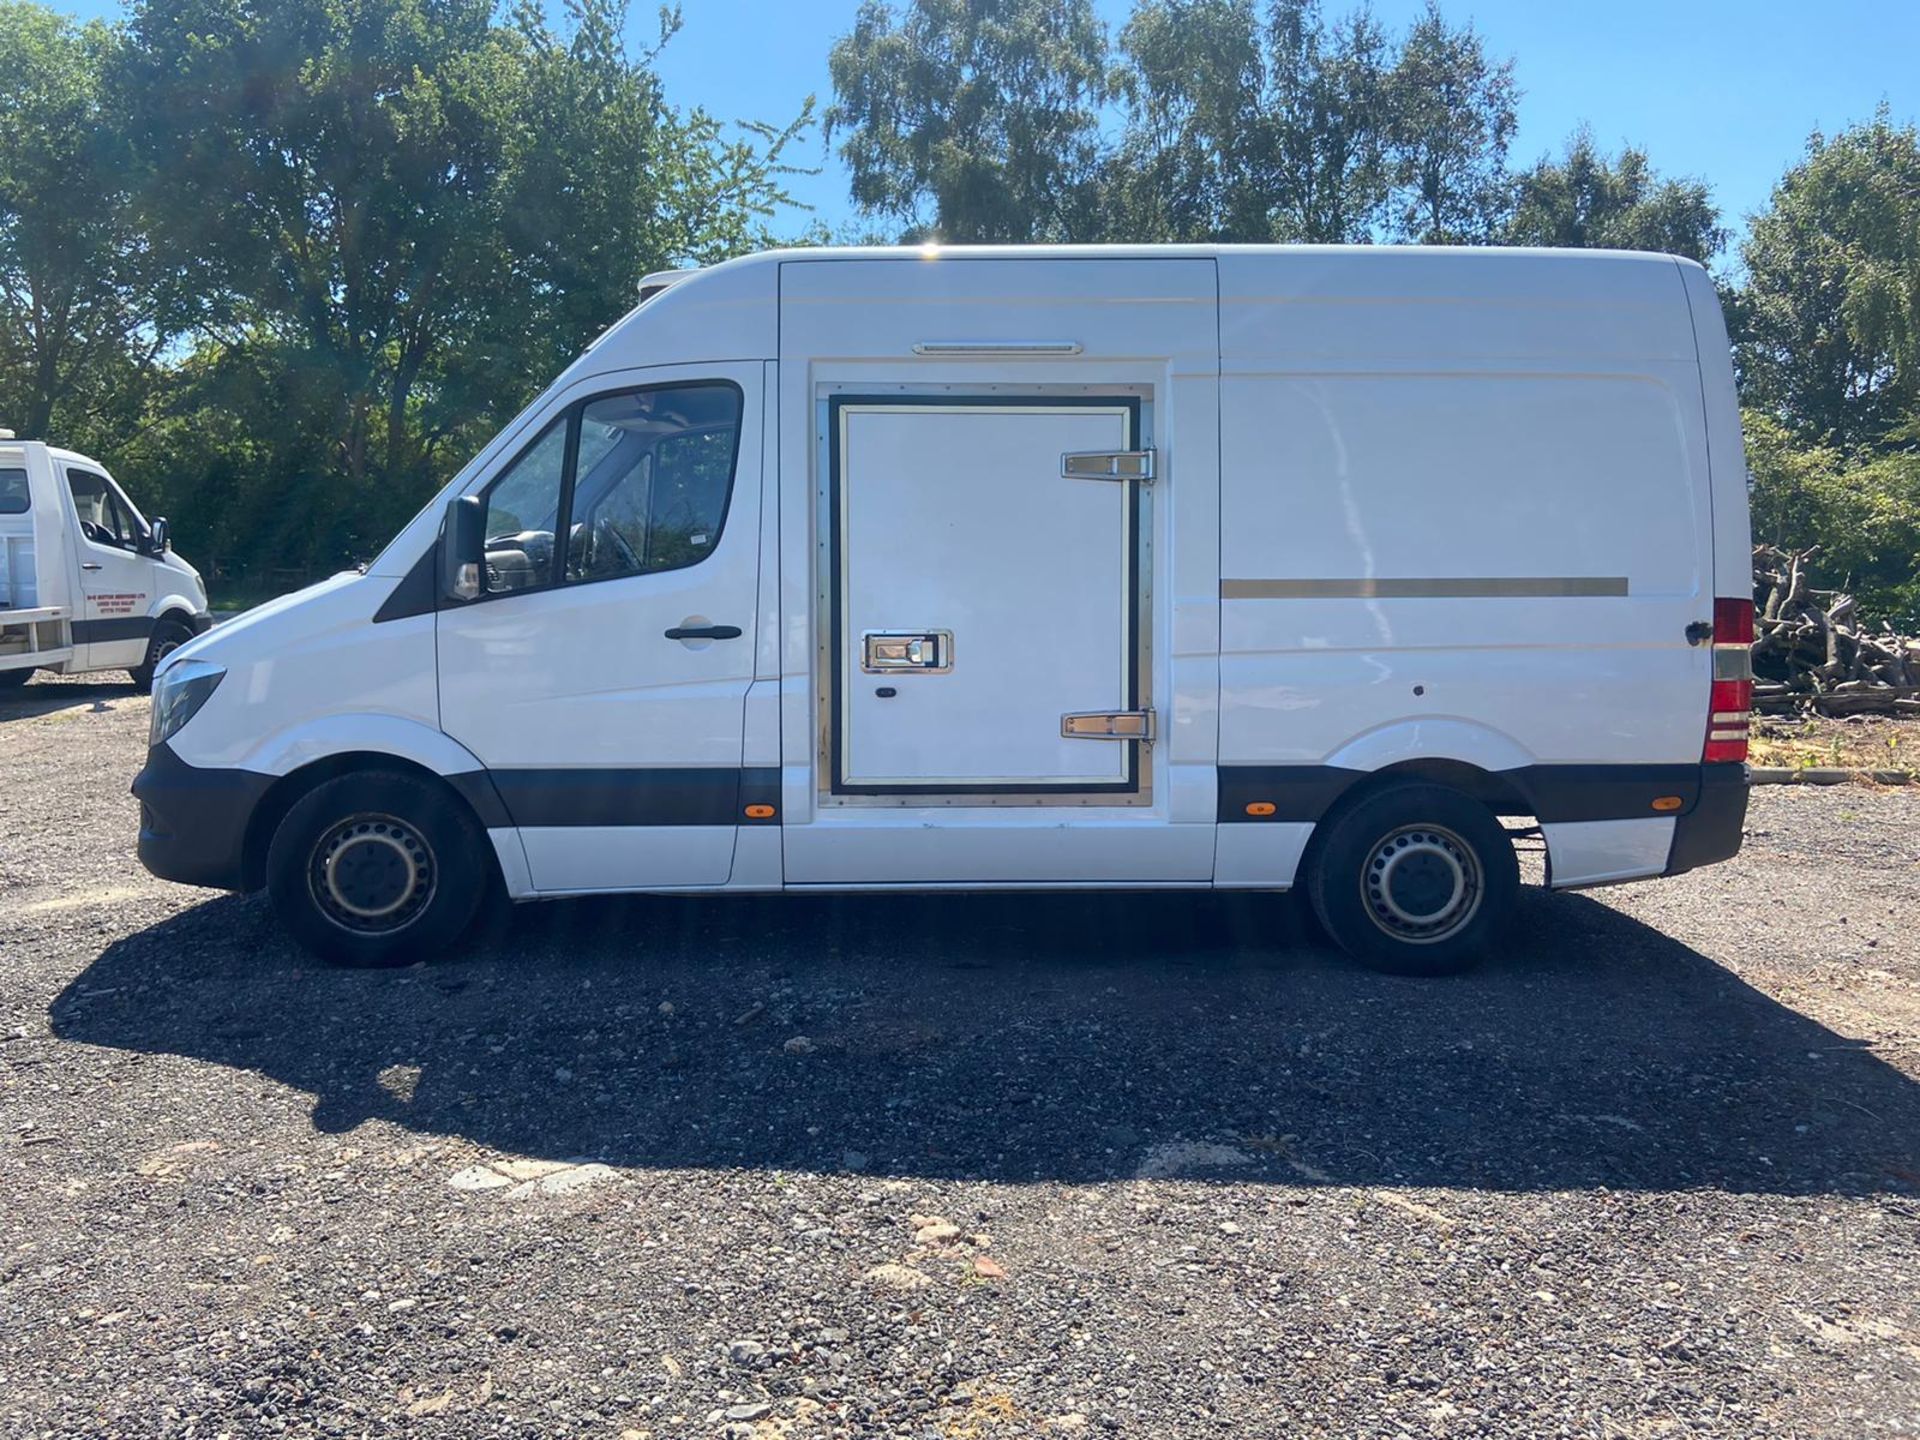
[(1731, 696), (1733, 622)]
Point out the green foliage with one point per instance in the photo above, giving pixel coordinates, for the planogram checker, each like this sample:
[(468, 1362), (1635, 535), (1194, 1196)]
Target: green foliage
[(1862, 512), (80, 295), (982, 120), (1451, 120), (973, 120), (1829, 319), (1587, 200), (1246, 127), (367, 231)]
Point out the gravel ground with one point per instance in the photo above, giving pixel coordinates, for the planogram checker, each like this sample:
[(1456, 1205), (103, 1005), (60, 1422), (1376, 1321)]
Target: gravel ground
[(1143, 1166)]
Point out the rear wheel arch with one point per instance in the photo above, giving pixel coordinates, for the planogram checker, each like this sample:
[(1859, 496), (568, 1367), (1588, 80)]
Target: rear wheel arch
[(293, 787), (1486, 786)]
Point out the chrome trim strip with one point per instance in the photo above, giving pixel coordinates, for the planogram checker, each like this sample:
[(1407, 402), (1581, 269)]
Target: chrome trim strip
[(997, 347), (1439, 587)]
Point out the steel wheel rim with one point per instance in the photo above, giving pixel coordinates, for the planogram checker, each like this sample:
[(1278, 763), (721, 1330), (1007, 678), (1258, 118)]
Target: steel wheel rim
[(1422, 884), (372, 874)]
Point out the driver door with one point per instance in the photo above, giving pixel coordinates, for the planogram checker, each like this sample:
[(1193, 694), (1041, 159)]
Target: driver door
[(116, 578), (602, 674)]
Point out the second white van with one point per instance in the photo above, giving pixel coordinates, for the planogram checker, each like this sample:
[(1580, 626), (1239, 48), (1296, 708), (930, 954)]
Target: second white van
[(1243, 568)]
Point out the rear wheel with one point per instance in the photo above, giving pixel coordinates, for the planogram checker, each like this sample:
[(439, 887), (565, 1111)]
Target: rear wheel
[(168, 636), (377, 869), (1414, 879)]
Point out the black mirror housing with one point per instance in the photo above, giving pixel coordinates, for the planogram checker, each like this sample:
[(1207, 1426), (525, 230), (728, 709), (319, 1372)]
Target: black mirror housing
[(463, 547)]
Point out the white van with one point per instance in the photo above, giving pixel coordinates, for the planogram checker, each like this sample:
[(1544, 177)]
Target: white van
[(86, 583), (1242, 568)]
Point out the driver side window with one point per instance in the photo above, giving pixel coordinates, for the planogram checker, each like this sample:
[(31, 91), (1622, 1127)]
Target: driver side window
[(523, 507), (103, 519), (654, 476), (636, 482)]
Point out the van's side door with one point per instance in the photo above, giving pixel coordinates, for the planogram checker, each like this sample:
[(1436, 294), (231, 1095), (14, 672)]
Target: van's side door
[(111, 625), (602, 674), (1008, 559)]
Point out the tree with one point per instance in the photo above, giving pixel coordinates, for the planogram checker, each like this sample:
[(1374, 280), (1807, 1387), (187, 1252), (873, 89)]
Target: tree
[(1829, 319), (1588, 200), (1863, 514), (79, 303), (399, 217), (1452, 121), (974, 120), (1243, 127)]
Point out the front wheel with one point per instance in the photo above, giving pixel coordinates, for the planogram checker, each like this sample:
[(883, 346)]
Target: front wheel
[(377, 869), (1415, 879), (168, 636)]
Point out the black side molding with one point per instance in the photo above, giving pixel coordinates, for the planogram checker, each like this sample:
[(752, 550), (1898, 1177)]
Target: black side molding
[(1553, 794)]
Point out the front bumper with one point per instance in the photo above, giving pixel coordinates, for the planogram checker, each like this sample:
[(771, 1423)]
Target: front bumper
[(1711, 829), (194, 822)]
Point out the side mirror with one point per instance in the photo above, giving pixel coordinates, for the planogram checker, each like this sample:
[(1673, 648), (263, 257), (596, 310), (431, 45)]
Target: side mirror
[(161, 535), (463, 548)]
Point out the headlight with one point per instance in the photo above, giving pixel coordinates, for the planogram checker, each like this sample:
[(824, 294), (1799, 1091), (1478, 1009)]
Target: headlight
[(182, 689)]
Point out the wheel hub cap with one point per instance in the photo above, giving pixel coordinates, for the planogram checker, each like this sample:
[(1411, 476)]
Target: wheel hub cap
[(372, 874), (1422, 883)]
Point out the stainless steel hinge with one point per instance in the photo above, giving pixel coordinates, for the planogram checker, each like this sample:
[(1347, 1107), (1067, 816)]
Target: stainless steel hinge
[(1107, 465), (1108, 725)]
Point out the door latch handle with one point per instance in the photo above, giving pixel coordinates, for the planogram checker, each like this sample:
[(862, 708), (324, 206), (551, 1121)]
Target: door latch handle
[(89, 564), (704, 632), (923, 652), (1108, 725)]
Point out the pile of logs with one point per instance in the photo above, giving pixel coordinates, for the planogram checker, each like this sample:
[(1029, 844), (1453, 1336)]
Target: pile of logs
[(1810, 653)]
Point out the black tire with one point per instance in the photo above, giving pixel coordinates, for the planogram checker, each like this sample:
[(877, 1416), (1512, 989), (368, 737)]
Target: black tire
[(168, 636), (377, 869), (1414, 879), (14, 679)]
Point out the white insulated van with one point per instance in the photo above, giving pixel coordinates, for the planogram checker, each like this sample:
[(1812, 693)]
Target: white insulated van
[(86, 582), (1244, 568)]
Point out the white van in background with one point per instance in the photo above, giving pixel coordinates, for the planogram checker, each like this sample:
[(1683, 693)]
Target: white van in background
[(1132, 567), (86, 583)]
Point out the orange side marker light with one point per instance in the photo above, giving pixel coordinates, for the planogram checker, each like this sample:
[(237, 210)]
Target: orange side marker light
[(759, 812), (1668, 802), (1260, 807)]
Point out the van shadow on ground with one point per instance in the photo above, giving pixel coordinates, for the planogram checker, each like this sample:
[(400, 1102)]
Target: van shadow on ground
[(44, 696), (1016, 1038)]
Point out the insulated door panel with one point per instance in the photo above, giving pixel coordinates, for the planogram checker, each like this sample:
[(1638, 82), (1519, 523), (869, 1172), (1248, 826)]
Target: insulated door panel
[(958, 532)]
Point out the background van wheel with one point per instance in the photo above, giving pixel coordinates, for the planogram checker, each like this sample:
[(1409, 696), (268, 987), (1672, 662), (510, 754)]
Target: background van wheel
[(168, 636), (377, 869), (1415, 879)]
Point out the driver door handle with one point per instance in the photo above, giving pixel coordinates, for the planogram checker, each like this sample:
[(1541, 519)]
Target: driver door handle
[(704, 632), (89, 564)]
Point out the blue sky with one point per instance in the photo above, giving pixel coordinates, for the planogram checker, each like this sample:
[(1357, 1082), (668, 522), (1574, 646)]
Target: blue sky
[(1722, 90), (1726, 91)]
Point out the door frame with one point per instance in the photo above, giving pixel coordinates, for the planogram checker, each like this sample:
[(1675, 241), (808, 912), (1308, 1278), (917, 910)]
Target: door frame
[(831, 402)]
